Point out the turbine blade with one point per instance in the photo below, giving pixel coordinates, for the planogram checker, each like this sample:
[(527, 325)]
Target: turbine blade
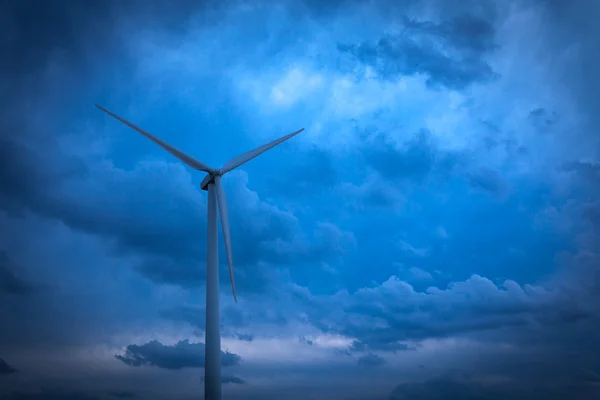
[(223, 211), (244, 158), (188, 160)]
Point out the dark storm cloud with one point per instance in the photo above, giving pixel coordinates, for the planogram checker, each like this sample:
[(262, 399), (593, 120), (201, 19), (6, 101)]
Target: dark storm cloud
[(6, 369), (370, 360), (10, 282), (36, 34), (121, 204), (182, 355), (75, 36), (29, 173), (451, 54), (115, 219), (33, 32)]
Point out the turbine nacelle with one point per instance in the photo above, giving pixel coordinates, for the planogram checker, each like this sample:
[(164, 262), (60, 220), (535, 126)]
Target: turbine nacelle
[(210, 178)]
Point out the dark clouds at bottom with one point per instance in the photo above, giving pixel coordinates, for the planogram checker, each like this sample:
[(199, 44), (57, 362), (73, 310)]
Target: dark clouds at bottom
[(496, 388)]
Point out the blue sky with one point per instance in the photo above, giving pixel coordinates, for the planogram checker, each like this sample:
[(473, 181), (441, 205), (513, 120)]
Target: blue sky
[(435, 230)]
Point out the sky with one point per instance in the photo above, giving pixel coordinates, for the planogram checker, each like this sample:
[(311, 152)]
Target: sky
[(433, 233)]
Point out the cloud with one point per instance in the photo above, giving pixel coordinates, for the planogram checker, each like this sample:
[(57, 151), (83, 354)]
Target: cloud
[(167, 253), (392, 315), (6, 369), (172, 245), (181, 355), (451, 54)]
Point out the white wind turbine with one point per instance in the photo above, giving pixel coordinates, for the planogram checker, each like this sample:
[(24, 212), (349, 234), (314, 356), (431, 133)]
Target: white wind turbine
[(216, 199)]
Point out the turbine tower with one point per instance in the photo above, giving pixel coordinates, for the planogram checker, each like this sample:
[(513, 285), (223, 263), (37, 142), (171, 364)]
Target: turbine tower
[(216, 200)]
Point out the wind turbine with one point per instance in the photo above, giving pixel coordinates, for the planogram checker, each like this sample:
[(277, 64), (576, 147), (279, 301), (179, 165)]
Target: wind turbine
[(216, 199)]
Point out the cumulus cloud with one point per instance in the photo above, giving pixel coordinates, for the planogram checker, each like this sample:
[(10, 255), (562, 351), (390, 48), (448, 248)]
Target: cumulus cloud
[(393, 315)]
